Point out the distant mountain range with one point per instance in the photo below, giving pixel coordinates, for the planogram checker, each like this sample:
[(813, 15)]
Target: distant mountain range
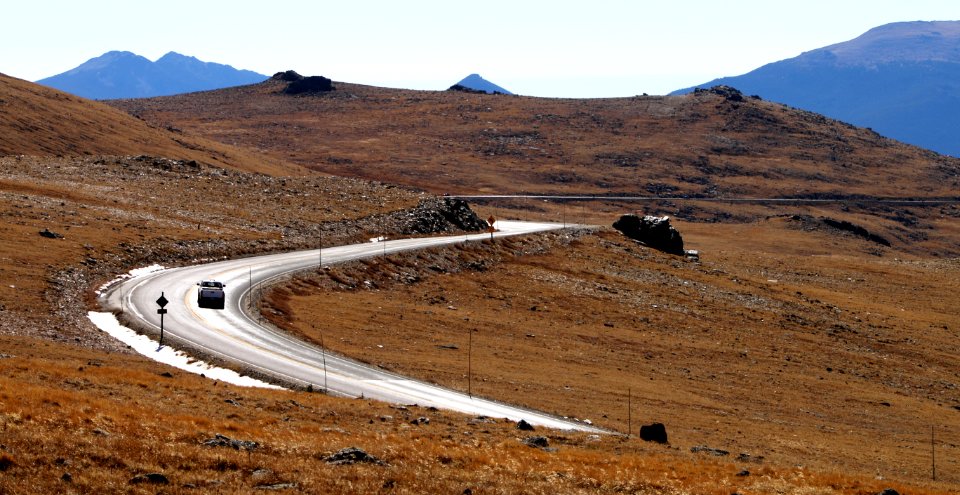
[(127, 75), (476, 83), (901, 80)]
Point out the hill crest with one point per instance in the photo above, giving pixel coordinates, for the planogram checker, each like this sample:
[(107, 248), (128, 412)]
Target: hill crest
[(40, 121)]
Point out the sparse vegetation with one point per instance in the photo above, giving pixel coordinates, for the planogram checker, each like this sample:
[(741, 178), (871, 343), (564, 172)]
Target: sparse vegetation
[(823, 352)]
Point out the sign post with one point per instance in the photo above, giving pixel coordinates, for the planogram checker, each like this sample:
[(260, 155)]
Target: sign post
[(162, 301), (490, 228)]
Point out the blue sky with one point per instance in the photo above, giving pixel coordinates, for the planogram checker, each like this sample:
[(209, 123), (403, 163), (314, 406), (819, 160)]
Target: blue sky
[(558, 48)]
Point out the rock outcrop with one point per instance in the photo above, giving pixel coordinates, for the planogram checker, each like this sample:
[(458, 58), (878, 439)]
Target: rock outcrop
[(309, 85), (442, 215), (655, 232)]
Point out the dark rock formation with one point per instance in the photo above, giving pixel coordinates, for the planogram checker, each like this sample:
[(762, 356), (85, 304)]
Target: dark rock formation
[(443, 215), (855, 230), (538, 442), (153, 478), (464, 89), (524, 426), (656, 432), (225, 441), (422, 420), (655, 232), (352, 455), (50, 235), (288, 76), (728, 92), (810, 223), (312, 84)]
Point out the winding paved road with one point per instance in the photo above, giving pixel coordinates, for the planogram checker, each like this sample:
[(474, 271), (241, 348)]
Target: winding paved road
[(235, 336)]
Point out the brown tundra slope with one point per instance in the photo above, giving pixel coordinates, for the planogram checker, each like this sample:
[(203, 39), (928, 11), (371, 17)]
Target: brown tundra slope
[(820, 353), (714, 143)]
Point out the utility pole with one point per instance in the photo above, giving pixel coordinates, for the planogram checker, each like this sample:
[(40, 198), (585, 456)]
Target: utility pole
[(323, 354)]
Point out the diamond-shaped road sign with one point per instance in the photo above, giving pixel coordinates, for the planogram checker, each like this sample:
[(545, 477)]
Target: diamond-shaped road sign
[(162, 301)]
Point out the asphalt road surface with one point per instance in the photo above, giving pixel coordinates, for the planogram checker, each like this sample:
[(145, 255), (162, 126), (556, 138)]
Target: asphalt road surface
[(237, 337)]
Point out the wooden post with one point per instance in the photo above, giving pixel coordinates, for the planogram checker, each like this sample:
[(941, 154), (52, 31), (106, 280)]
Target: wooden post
[(470, 364), (933, 455)]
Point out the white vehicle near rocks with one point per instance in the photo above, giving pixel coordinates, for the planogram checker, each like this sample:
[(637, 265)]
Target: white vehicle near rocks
[(210, 294)]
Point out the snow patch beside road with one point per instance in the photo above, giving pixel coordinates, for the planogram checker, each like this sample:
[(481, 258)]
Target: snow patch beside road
[(168, 355)]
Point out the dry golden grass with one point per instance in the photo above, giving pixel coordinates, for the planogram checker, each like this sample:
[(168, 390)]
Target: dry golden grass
[(800, 371), (799, 347), (467, 143), (80, 421)]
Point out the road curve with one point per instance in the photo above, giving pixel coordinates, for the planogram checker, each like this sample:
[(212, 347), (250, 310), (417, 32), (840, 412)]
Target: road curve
[(235, 336)]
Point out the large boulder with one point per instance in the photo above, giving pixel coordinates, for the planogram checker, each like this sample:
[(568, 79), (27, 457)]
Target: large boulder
[(312, 84), (655, 432), (655, 232)]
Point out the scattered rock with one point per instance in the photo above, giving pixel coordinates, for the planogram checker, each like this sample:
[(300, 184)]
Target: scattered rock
[(352, 455), (728, 92), (66, 478), (276, 486), (655, 432), (420, 421), (707, 450), (225, 441), (888, 491), (166, 374), (744, 457), (524, 426), (655, 232), (743, 473), (50, 235), (152, 478), (538, 442)]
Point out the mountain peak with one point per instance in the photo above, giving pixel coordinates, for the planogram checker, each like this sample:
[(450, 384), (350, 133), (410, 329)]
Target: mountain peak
[(917, 41), (175, 56), (120, 74), (902, 80), (476, 83)]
